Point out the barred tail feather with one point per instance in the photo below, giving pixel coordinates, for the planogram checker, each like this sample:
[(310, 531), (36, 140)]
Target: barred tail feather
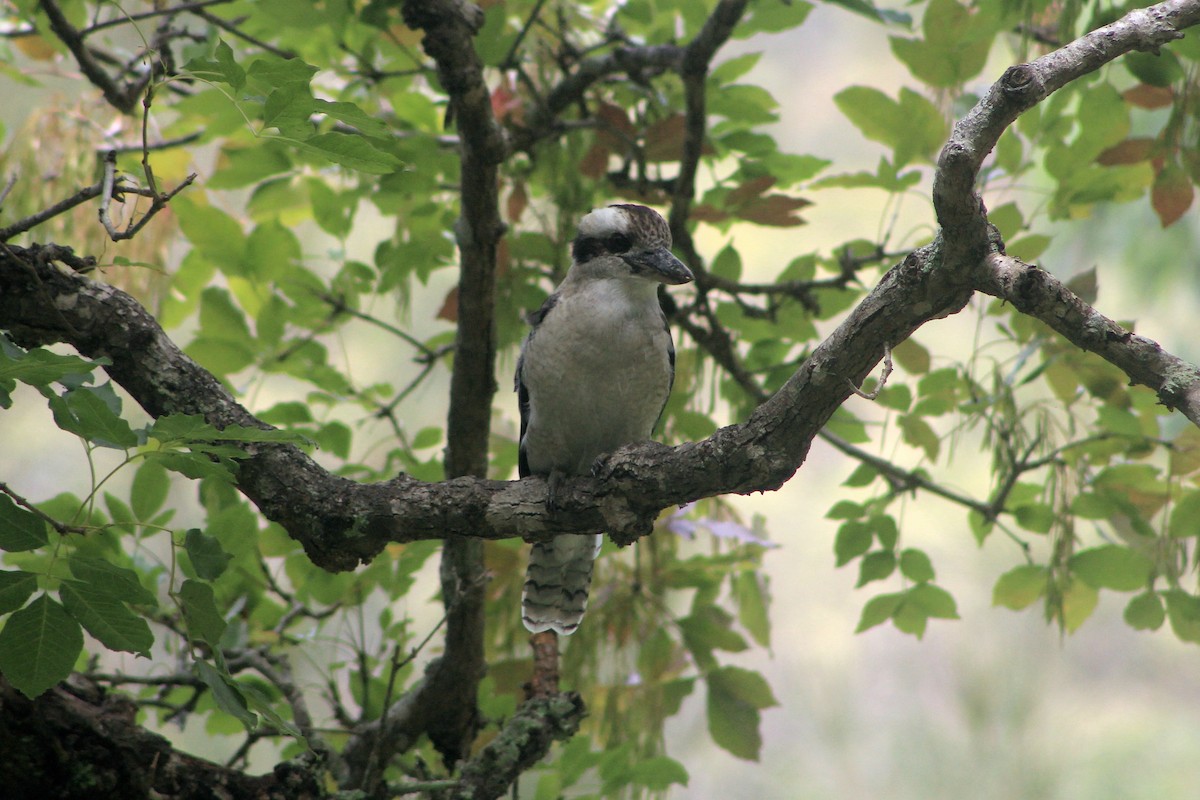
[(556, 583)]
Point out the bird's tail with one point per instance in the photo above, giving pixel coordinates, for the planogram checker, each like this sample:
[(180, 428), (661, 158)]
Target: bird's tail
[(557, 582)]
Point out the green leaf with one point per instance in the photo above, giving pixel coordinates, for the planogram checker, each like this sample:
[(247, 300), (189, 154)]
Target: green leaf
[(1078, 602), (39, 645), (1185, 516), (1020, 586), (16, 586), (227, 694), (94, 415), (1145, 612), (933, 601), (119, 582), (912, 126), (917, 432), (199, 608), (732, 69), (244, 165), (258, 701), (1112, 566), (773, 17), (1160, 68), (213, 232), (863, 475), (149, 491), (871, 111), (875, 567), (955, 42), (1035, 517), (879, 609), (711, 628), (208, 558), (727, 263), (272, 250), (353, 116), (916, 566), (40, 367), (221, 68), (192, 428), (272, 72), (658, 773), (853, 539), (350, 151), (750, 594), (106, 618), (735, 697), (980, 526), (1183, 610), (845, 509), (20, 528)]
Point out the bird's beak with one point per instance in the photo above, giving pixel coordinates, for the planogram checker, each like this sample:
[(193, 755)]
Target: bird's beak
[(660, 265)]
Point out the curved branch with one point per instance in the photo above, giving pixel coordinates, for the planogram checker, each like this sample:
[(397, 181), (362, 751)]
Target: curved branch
[(122, 98), (341, 523), (1042, 296), (110, 755), (1021, 87)]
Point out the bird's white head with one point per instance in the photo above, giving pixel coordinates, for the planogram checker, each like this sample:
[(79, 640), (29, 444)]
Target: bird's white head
[(632, 236)]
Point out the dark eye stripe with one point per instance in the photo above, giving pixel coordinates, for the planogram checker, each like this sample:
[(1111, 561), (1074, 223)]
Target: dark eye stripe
[(618, 243), (585, 248)]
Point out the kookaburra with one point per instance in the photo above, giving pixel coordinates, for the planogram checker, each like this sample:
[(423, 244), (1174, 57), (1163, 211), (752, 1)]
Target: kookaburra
[(594, 374)]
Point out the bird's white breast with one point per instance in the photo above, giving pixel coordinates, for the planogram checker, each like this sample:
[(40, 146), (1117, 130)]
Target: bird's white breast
[(597, 373)]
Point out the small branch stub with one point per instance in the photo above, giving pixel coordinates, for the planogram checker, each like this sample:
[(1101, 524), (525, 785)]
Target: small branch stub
[(883, 377)]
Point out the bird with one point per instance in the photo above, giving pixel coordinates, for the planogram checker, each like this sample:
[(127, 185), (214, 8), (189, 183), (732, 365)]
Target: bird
[(594, 374)]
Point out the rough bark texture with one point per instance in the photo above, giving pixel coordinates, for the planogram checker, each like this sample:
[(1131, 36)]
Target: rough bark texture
[(76, 742)]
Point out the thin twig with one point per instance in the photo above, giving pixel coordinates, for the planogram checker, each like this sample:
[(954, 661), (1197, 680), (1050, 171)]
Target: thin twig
[(119, 97), (8, 187), (230, 27), (165, 144), (126, 19), (106, 193), (507, 61), (61, 527), (33, 220), (887, 373)]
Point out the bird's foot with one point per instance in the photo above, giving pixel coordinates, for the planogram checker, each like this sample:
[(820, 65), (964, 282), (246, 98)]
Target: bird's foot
[(553, 485)]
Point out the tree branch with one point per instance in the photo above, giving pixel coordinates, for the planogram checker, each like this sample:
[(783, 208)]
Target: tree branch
[(111, 756), (1039, 294), (964, 227), (121, 98)]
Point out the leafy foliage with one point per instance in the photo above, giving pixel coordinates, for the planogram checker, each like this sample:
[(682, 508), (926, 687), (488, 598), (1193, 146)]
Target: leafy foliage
[(326, 211)]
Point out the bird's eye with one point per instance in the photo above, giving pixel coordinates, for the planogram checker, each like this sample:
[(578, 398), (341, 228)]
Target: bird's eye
[(618, 243)]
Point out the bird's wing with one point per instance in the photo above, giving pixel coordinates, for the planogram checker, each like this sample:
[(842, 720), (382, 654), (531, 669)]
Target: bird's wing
[(535, 319)]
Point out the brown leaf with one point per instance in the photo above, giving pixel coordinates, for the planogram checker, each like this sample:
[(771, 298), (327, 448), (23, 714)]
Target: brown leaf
[(449, 309), (518, 201), (616, 131), (774, 209), (749, 190), (1146, 96), (707, 213), (1130, 151), (1171, 194), (664, 139), (594, 162), (35, 47), (503, 257)]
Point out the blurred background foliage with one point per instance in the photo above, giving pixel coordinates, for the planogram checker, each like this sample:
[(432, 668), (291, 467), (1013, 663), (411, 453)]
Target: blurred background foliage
[(311, 268)]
